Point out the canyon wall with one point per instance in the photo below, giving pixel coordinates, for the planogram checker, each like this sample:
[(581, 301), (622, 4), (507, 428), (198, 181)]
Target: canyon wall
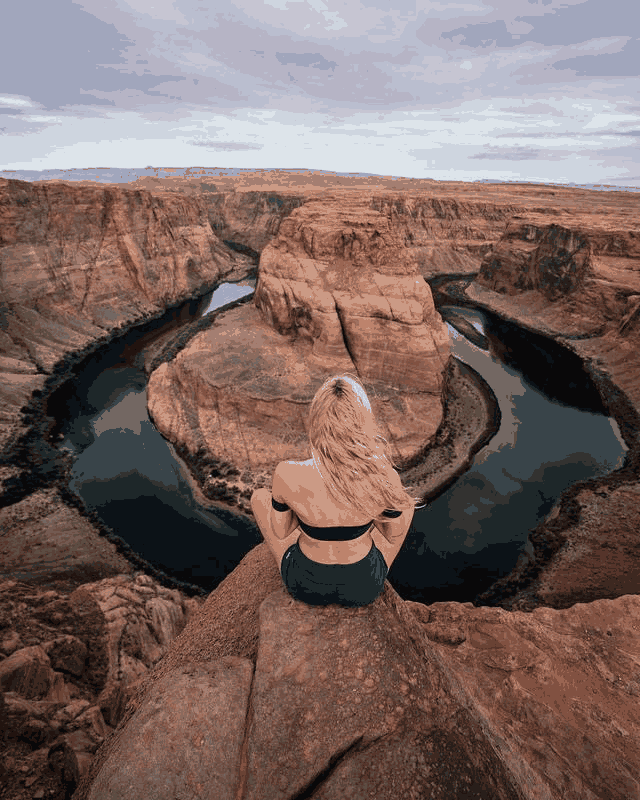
[(78, 263), (339, 275), (577, 281), (336, 292)]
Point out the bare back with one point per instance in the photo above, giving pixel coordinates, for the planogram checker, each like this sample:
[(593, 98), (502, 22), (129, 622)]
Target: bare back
[(310, 500)]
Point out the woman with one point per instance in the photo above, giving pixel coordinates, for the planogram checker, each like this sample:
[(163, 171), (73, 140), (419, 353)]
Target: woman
[(336, 522)]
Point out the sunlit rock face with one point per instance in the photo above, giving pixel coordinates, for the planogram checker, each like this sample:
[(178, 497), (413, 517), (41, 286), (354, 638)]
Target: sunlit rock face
[(339, 275), (337, 291)]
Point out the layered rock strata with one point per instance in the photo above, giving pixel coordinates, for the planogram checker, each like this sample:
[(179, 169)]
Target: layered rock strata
[(78, 263), (340, 276), (574, 738), (336, 293), (577, 282), (261, 696)]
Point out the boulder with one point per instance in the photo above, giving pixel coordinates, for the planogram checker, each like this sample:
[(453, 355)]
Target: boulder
[(395, 699), (67, 672), (334, 707)]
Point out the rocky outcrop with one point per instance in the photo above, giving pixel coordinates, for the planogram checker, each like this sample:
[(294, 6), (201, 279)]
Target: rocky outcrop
[(43, 540), (76, 672), (69, 663), (576, 281), (261, 696), (78, 263), (336, 292), (339, 275)]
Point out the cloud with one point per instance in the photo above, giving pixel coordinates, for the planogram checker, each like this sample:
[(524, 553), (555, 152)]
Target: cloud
[(58, 51), (376, 85), (215, 145), (623, 63), (565, 134), (511, 154), (315, 60)]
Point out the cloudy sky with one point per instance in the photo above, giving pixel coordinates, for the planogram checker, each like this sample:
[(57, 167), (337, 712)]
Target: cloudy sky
[(534, 90)]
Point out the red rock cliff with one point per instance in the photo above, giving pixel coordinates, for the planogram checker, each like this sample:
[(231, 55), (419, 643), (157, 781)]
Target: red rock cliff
[(77, 262)]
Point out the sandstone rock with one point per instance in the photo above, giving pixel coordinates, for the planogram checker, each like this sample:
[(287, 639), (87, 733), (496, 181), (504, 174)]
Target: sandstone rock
[(63, 763), (250, 218), (27, 720), (66, 653), (548, 750), (137, 631), (515, 704), (189, 736), (240, 393), (335, 704), (10, 642), (68, 717), (27, 672), (43, 540), (79, 262), (585, 264), (339, 275), (561, 687), (576, 281), (336, 292)]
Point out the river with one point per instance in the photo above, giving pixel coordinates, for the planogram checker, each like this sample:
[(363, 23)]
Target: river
[(458, 545)]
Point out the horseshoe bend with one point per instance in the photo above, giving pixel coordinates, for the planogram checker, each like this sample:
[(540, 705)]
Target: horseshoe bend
[(528, 692)]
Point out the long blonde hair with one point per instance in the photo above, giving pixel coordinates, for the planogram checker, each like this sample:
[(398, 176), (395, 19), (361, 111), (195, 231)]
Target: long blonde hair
[(350, 452)]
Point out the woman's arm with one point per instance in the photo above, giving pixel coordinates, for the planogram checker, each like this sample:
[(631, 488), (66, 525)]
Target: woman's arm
[(396, 529), (283, 523)]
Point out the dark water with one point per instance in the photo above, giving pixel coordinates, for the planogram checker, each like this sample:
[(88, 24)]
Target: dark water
[(129, 475), (553, 432), (457, 546)]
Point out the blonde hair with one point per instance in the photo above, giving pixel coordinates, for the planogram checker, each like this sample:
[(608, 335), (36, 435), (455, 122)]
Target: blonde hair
[(349, 451)]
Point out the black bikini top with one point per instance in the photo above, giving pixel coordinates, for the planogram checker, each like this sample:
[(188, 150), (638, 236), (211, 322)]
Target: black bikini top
[(335, 534)]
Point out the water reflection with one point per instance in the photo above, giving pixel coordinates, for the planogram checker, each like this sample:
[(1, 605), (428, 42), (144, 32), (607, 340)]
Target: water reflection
[(476, 529), (129, 474)]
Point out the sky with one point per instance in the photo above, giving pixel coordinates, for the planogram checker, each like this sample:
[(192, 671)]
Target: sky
[(509, 90)]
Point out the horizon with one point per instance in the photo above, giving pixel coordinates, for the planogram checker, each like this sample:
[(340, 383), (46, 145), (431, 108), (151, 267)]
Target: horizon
[(74, 173)]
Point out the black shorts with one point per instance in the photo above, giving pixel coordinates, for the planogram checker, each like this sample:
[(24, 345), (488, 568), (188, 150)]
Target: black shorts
[(351, 585)]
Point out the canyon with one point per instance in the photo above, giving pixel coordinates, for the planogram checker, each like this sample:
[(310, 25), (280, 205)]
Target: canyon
[(81, 264)]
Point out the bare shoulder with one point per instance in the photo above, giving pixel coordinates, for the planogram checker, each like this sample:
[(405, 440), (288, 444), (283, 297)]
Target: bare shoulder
[(285, 477)]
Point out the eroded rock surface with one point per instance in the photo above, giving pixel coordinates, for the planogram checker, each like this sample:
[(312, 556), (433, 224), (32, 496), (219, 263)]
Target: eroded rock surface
[(77, 263), (69, 662), (394, 699), (75, 669), (339, 274), (576, 281), (42, 540), (336, 292)]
